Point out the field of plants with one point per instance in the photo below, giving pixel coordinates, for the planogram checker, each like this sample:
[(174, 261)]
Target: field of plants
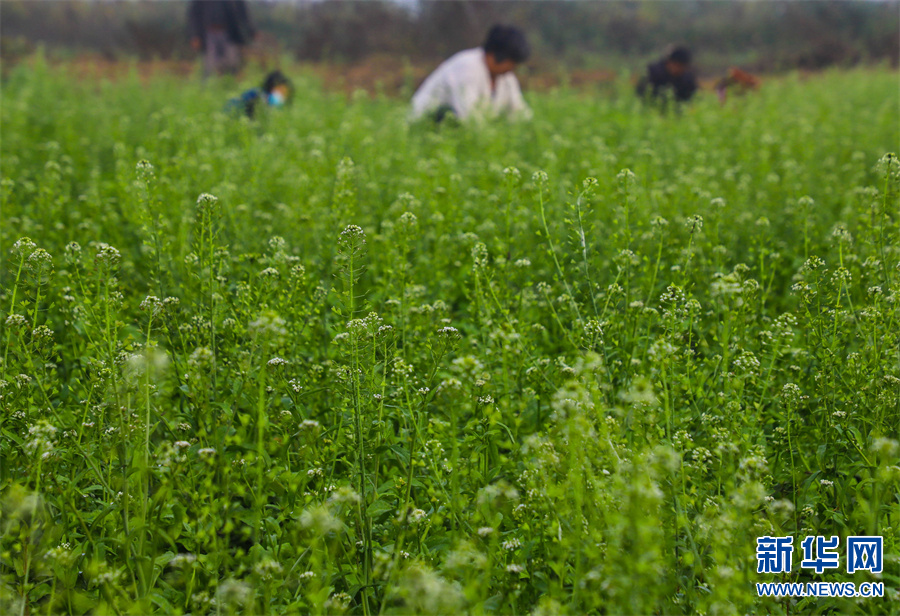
[(331, 362)]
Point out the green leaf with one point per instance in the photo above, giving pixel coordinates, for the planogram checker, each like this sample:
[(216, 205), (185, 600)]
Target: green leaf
[(379, 508)]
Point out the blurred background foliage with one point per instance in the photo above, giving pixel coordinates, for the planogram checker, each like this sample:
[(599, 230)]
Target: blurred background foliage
[(571, 35)]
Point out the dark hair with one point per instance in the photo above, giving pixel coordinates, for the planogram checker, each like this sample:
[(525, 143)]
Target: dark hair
[(507, 43), (275, 79), (680, 55)]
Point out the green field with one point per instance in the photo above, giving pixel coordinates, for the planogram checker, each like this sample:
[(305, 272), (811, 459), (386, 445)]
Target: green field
[(331, 362)]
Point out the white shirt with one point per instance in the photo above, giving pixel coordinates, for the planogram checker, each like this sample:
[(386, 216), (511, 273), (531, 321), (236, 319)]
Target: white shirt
[(464, 83)]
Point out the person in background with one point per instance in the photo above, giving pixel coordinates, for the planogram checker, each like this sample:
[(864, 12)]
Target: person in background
[(220, 28), (276, 91), (478, 82), (670, 77), (738, 80)]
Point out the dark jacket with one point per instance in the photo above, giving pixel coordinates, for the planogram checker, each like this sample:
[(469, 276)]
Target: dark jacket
[(228, 15), (658, 82)]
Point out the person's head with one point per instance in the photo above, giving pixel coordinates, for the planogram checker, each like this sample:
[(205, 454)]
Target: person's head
[(504, 49), (678, 61), (277, 88)]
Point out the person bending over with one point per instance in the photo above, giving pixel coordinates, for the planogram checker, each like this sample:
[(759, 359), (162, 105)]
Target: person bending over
[(738, 80), (670, 77), (276, 91), (477, 83)]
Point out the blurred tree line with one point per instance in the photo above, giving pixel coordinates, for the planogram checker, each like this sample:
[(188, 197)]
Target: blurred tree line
[(757, 34)]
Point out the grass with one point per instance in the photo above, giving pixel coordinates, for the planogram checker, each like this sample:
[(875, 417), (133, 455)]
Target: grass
[(333, 362)]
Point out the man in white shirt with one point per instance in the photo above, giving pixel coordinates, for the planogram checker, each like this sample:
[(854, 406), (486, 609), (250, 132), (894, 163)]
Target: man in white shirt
[(479, 82)]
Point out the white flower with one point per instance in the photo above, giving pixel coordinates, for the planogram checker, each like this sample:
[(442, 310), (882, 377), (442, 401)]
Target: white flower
[(201, 357), (267, 569), (511, 544), (268, 324), (24, 247), (417, 515), (15, 320), (144, 169), (344, 494), (449, 332), (206, 201), (179, 560), (309, 424), (232, 592), (151, 304), (885, 447), (107, 255), (42, 436)]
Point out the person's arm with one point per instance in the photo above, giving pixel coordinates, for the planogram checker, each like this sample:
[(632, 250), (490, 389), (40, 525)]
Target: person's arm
[(516, 105), (685, 87), (462, 96), (641, 88), (426, 97)]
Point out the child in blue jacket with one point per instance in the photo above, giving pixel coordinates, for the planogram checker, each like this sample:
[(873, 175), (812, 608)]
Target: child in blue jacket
[(276, 91)]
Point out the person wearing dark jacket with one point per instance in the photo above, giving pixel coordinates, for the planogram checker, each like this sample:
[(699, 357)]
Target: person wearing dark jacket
[(220, 28), (670, 77)]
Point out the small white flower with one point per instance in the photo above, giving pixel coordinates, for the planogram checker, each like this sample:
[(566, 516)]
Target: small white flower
[(268, 569), (417, 515), (309, 424), (180, 560), (511, 544), (15, 320)]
